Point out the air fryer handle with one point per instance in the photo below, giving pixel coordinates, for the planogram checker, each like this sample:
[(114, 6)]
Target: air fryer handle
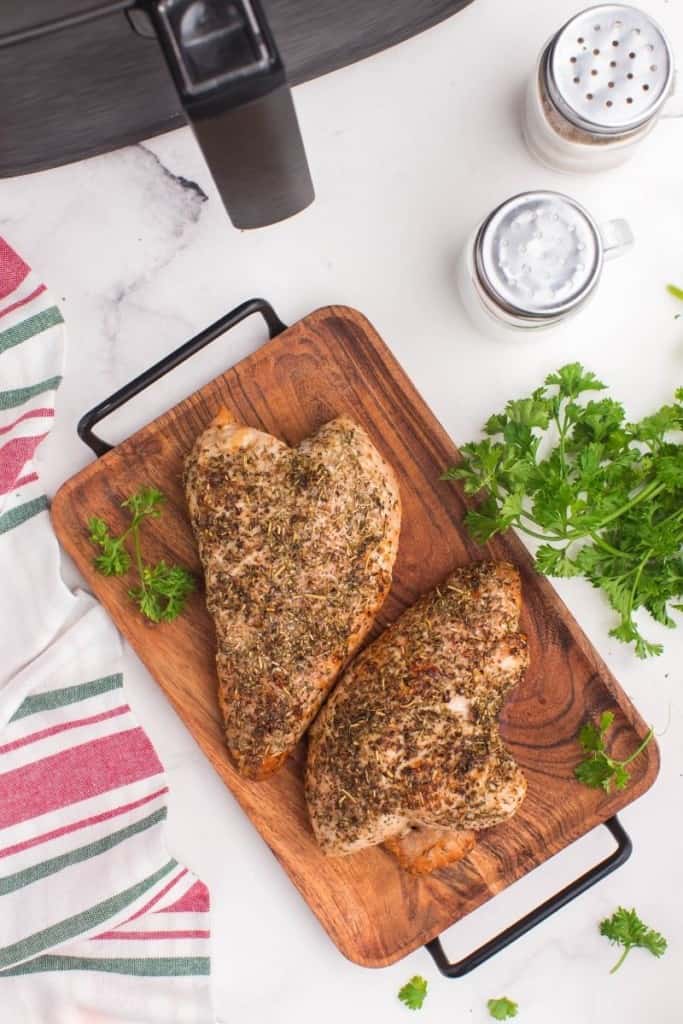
[(232, 85)]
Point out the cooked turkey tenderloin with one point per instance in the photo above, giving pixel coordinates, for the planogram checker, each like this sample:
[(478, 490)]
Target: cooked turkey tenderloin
[(297, 546), (409, 738)]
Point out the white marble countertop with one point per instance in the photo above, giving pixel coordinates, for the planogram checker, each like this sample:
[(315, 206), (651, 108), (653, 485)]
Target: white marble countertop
[(407, 149)]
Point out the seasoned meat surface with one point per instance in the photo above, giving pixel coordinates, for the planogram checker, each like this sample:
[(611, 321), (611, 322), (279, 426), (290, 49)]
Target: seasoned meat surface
[(409, 737), (421, 850), (297, 546)]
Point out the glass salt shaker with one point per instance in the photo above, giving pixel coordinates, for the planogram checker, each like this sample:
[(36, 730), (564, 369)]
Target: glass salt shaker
[(599, 87), (534, 261)]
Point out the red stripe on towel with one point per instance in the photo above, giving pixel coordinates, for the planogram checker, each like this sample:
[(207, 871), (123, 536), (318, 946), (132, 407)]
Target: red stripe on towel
[(63, 726), (31, 414), (82, 772), (22, 302), (13, 457), (155, 899), (195, 899), (95, 819), (13, 270), (30, 478)]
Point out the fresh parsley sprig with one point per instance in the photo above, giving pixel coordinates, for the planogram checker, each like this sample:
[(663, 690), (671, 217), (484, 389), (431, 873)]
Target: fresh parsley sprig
[(414, 992), (625, 928), (598, 770), (503, 1008), (605, 496), (163, 589), (114, 559)]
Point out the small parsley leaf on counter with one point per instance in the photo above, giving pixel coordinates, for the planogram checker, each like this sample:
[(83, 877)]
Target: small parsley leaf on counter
[(503, 1008), (414, 993), (624, 928)]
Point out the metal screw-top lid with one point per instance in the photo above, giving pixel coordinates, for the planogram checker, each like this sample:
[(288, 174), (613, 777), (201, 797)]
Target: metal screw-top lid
[(538, 255), (609, 70)]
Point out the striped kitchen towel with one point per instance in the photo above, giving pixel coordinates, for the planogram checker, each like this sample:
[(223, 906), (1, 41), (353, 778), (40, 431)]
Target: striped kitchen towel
[(98, 922)]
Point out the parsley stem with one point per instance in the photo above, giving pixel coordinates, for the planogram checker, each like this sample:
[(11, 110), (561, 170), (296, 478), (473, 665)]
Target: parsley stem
[(597, 539), (677, 514), (650, 491), (639, 573), (621, 959), (126, 533), (538, 536), (562, 431), (138, 555), (640, 749)]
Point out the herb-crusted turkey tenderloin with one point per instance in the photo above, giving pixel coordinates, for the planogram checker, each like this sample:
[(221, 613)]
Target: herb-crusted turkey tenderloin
[(406, 750), (298, 547)]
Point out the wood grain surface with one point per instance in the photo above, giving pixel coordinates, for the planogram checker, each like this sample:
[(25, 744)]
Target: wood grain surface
[(332, 362)]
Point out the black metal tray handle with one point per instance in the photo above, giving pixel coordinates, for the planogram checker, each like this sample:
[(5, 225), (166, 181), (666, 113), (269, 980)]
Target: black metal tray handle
[(169, 362), (100, 447), (538, 914)]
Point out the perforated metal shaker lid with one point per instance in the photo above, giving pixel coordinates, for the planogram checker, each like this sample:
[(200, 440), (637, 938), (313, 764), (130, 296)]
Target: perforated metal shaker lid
[(609, 69), (538, 255)]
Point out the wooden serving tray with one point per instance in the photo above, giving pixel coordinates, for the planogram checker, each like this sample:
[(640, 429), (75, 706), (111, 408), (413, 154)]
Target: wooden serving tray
[(331, 362)]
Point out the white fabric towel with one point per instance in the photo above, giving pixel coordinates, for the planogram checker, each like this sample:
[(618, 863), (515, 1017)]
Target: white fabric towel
[(98, 923)]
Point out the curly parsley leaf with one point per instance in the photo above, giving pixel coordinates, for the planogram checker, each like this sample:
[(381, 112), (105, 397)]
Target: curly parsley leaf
[(625, 928), (572, 380), (114, 560), (598, 770), (604, 496), (595, 773), (163, 589), (528, 412), (592, 736), (501, 1009), (414, 992), (555, 562), (147, 501)]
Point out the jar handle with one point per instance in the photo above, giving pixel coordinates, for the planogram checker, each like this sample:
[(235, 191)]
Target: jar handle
[(617, 237), (674, 105)]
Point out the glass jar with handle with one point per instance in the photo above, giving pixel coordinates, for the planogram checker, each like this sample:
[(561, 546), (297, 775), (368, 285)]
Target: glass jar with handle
[(534, 261), (599, 87)]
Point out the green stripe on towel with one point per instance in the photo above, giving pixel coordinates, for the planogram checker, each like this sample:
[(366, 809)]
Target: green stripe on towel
[(70, 927), (54, 864), (158, 967), (69, 695), (30, 327), (10, 399), (20, 513)]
